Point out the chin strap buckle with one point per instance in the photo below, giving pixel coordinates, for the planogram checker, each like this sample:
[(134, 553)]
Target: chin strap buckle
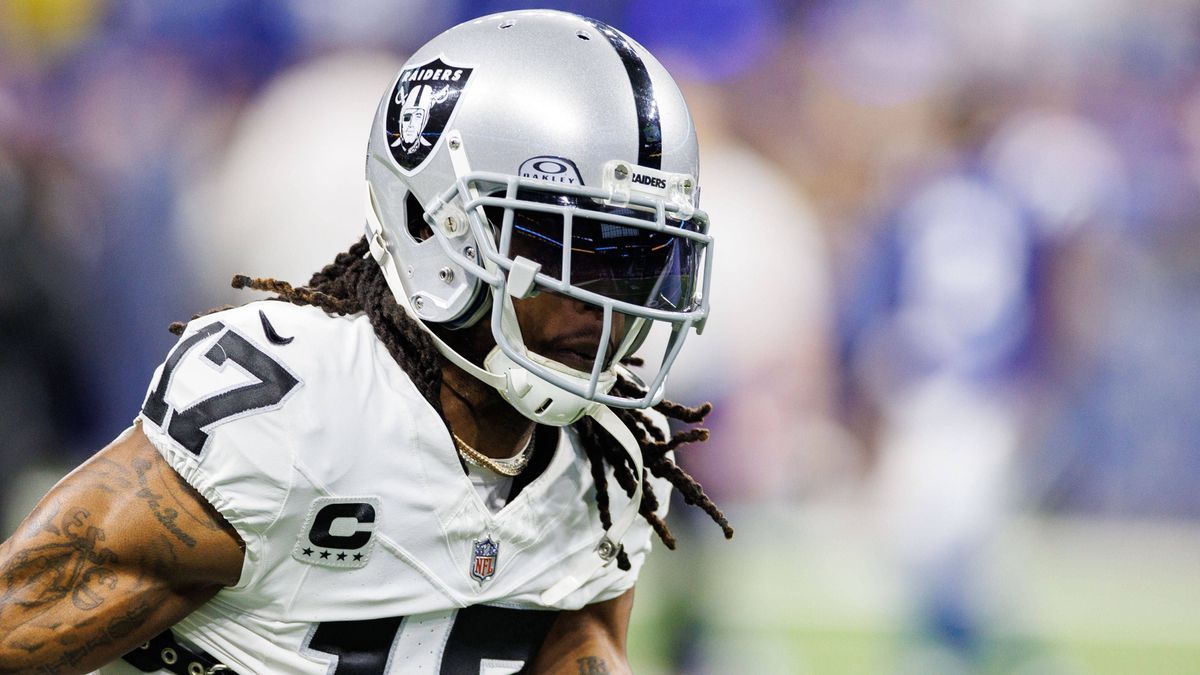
[(379, 250), (607, 550), (518, 381)]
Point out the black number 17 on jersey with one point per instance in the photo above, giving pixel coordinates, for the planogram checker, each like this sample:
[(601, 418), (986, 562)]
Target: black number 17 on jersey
[(190, 426)]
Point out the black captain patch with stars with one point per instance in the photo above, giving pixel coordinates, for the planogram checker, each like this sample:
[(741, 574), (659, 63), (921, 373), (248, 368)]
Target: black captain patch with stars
[(421, 106), (338, 532)]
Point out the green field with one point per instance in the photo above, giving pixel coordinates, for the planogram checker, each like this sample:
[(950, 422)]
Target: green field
[(819, 593)]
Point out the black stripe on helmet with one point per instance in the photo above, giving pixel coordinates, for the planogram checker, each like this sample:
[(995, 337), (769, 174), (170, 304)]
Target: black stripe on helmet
[(649, 129)]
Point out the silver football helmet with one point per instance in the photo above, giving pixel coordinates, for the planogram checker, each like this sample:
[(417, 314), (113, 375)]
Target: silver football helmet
[(540, 151)]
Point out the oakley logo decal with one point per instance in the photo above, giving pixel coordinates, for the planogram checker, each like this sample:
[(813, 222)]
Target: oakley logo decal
[(551, 169)]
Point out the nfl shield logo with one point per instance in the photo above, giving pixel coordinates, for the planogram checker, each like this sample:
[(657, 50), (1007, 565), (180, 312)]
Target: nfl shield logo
[(484, 565)]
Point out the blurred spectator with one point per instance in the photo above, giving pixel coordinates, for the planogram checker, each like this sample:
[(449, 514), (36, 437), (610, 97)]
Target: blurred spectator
[(764, 355), (287, 193), (43, 394)]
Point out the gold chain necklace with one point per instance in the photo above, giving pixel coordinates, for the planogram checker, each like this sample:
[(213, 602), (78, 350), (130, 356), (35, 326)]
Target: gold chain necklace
[(512, 466)]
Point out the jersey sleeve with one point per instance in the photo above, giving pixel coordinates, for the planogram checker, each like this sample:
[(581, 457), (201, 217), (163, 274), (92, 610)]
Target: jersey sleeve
[(217, 411)]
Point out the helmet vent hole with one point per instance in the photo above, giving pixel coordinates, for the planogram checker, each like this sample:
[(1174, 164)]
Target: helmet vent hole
[(508, 23), (542, 408), (415, 215), (583, 36)]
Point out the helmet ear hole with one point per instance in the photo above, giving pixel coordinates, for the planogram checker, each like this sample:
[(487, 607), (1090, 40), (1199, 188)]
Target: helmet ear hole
[(414, 213)]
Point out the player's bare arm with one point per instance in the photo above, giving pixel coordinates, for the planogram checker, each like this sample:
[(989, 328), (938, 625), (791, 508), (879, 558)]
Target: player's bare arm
[(589, 641), (115, 553)]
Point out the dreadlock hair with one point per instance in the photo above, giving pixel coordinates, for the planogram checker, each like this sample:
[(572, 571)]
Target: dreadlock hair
[(353, 283)]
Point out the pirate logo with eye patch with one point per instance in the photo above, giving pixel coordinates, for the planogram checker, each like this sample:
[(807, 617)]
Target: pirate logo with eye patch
[(420, 108)]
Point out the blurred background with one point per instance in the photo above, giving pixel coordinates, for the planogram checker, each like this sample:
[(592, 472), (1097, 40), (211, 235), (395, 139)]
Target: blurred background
[(957, 292)]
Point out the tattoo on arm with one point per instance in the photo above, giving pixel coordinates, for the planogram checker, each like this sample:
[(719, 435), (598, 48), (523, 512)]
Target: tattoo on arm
[(74, 648), (65, 595), (592, 665), (74, 563), (66, 561), (165, 515), (185, 512)]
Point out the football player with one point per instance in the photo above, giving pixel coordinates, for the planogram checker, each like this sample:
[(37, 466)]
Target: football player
[(433, 457)]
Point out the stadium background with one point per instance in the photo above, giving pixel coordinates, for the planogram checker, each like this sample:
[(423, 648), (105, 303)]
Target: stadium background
[(953, 347)]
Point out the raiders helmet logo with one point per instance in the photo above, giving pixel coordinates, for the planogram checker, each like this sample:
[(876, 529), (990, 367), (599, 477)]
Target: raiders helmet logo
[(420, 108)]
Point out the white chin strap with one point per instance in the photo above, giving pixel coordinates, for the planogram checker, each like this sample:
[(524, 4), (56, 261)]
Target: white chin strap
[(539, 400), (584, 566)]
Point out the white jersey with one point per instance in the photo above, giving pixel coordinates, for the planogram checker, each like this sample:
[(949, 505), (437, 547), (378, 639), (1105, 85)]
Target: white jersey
[(368, 550)]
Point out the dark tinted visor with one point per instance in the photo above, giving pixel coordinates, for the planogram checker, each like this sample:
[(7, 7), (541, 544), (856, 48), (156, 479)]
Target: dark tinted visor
[(619, 261)]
